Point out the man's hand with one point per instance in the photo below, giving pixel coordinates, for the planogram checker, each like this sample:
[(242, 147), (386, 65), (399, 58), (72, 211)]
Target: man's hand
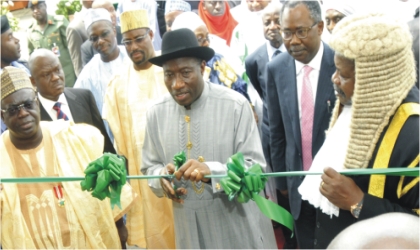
[(193, 170), (340, 190), (167, 185)]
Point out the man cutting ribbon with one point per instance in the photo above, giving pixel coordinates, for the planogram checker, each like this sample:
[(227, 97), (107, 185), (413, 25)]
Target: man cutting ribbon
[(210, 123)]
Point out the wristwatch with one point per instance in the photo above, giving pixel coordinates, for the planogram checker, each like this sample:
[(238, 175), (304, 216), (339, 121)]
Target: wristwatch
[(356, 208)]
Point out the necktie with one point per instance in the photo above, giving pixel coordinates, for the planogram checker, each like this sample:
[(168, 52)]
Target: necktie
[(60, 114), (307, 119), (275, 54)]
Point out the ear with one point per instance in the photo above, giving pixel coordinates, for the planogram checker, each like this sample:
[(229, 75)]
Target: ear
[(151, 34), (33, 81), (202, 67), (320, 27)]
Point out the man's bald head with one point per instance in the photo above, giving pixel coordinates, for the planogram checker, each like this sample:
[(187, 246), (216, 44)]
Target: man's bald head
[(37, 54), (387, 231), (47, 75)]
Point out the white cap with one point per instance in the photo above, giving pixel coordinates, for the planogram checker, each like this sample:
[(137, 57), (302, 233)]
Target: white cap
[(174, 5), (94, 15), (188, 20)]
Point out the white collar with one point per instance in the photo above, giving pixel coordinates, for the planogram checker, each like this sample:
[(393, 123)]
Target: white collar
[(271, 49), (315, 63), (49, 104)]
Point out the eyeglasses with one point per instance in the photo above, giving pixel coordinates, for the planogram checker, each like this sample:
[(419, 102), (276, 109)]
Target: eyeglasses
[(203, 39), (138, 40), (95, 39), (301, 33), (15, 109)]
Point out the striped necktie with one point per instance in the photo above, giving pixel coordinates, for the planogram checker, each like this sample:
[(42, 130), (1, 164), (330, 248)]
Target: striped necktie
[(307, 119), (60, 114)]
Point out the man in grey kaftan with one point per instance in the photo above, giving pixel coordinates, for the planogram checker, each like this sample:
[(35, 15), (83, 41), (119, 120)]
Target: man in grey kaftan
[(210, 129)]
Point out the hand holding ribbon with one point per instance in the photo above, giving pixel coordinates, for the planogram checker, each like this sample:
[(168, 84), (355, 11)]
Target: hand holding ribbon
[(171, 190), (246, 184), (105, 177)]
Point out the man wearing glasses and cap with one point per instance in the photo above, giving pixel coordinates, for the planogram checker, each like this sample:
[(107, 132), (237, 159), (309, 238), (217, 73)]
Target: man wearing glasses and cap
[(49, 32), (50, 215), (128, 96), (300, 100), (209, 123)]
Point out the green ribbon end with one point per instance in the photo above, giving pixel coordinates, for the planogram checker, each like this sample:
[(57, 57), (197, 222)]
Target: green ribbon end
[(246, 184)]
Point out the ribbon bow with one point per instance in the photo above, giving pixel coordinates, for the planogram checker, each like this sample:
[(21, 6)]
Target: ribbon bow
[(179, 160), (105, 177), (246, 184)]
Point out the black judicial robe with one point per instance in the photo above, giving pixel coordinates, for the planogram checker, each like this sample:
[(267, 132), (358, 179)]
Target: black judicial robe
[(406, 149)]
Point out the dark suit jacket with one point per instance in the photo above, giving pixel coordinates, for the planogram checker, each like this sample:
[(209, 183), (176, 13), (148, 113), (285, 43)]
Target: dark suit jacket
[(283, 113), (88, 51), (83, 110), (255, 65)]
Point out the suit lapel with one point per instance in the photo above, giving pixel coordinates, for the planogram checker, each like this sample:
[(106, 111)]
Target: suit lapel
[(291, 99), (44, 114), (74, 106), (324, 93)]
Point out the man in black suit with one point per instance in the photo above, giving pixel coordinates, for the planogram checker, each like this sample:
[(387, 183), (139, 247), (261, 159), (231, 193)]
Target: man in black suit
[(255, 65), (57, 102), (300, 97)]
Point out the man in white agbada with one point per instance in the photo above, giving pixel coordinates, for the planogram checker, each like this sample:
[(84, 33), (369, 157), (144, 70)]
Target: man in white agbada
[(210, 123), (128, 96), (96, 75)]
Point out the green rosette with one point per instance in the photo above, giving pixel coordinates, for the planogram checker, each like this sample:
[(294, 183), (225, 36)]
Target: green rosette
[(246, 184), (179, 160), (105, 177)]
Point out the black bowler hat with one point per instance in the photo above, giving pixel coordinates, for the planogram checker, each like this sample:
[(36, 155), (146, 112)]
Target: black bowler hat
[(34, 2), (4, 24), (181, 43)]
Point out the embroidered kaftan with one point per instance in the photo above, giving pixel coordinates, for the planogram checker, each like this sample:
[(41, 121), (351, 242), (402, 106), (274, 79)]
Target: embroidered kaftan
[(220, 124)]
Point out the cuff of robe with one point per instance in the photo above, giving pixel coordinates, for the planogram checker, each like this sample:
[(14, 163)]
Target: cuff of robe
[(216, 168), (154, 184)]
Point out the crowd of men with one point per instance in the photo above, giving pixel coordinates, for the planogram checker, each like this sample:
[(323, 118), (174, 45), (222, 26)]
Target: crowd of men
[(212, 79)]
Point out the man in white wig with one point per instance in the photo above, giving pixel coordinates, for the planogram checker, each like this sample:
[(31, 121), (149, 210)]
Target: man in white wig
[(374, 125)]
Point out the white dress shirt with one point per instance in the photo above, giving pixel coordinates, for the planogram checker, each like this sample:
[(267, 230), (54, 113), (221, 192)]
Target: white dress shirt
[(48, 106), (315, 64)]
